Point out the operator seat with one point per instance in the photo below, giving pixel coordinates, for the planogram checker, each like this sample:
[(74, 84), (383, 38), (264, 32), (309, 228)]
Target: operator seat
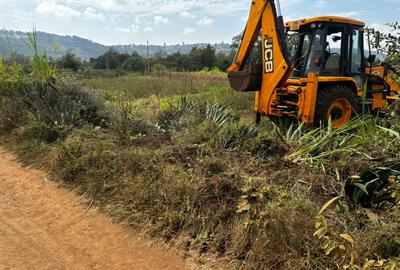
[(332, 65)]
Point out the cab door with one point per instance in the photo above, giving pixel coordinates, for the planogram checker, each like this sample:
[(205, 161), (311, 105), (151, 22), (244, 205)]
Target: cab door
[(356, 56)]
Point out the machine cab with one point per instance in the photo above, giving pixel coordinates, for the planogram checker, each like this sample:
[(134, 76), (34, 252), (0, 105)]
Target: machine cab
[(330, 46)]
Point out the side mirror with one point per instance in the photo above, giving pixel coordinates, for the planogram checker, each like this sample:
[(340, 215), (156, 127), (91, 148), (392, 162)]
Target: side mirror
[(371, 59)]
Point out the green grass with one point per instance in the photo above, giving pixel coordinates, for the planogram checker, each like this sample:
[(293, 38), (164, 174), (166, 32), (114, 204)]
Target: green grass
[(150, 95), (133, 86)]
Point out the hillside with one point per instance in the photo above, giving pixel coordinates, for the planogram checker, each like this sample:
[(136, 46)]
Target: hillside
[(85, 48)]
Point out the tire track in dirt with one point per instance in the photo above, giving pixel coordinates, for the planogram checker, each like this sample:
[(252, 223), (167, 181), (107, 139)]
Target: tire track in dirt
[(44, 227)]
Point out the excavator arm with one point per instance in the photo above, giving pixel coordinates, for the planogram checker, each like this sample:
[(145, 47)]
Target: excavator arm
[(250, 35), (266, 19)]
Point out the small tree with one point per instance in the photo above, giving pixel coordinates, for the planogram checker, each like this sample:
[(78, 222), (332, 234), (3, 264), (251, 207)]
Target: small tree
[(388, 43), (159, 68), (223, 61), (110, 60), (134, 63), (202, 58), (70, 61)]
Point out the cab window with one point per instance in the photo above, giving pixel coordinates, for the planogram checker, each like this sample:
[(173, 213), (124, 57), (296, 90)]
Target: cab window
[(314, 61), (331, 61), (356, 52)]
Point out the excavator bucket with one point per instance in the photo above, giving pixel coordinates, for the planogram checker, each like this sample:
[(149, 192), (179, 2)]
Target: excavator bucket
[(242, 81)]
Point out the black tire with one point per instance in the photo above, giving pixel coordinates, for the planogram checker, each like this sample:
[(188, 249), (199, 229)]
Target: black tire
[(327, 96)]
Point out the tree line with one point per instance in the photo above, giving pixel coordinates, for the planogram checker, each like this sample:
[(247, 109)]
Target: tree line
[(198, 59)]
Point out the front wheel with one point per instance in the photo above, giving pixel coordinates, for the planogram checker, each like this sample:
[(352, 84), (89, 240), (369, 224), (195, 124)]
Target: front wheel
[(336, 104)]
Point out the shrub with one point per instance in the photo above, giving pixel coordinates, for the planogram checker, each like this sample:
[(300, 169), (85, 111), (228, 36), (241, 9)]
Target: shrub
[(134, 63)]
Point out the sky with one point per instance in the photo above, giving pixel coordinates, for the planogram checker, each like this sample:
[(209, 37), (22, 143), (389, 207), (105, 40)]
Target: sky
[(113, 22)]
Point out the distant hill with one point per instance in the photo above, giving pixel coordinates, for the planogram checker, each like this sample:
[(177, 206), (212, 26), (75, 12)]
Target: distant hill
[(85, 48)]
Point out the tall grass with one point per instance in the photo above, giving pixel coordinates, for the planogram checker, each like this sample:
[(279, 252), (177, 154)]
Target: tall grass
[(42, 69), (138, 86)]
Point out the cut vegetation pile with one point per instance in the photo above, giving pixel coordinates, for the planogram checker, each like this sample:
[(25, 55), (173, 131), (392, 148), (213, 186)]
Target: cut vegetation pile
[(201, 176)]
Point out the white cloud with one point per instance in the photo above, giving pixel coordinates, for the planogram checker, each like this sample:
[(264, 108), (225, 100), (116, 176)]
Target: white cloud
[(148, 29), (52, 9), (150, 8), (320, 3), (205, 21), (286, 3), (348, 14), (160, 20), (187, 14), (123, 29), (92, 14), (188, 30), (167, 7), (381, 28), (135, 28), (184, 8)]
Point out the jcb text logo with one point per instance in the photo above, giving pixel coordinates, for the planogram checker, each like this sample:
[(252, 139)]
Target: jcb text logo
[(269, 55)]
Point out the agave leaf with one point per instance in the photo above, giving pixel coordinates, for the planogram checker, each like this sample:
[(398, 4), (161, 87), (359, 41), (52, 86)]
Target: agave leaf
[(348, 238), (289, 132), (397, 240), (362, 187), (390, 132), (298, 132), (329, 203), (244, 206), (372, 216)]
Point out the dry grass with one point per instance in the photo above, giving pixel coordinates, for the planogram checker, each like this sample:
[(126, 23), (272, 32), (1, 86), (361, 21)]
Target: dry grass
[(166, 84)]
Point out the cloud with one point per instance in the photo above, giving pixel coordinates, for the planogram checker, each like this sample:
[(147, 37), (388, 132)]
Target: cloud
[(348, 14), (52, 9), (320, 3), (165, 7), (92, 14), (135, 28), (187, 14), (188, 30), (381, 28), (205, 21), (149, 8), (123, 29), (286, 3), (148, 29), (160, 20)]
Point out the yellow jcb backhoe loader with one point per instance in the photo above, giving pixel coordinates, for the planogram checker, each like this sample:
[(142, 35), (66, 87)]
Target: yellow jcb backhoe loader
[(312, 69)]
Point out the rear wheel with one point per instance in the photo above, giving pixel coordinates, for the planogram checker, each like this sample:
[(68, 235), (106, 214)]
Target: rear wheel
[(337, 103)]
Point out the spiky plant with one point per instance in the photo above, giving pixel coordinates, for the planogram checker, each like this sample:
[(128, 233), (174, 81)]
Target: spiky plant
[(42, 69), (317, 145)]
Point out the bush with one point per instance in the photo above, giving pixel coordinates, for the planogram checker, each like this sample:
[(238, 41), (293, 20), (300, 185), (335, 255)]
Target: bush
[(70, 61), (134, 63)]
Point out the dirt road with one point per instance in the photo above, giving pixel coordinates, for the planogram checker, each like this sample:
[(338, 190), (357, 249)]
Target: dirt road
[(44, 227)]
